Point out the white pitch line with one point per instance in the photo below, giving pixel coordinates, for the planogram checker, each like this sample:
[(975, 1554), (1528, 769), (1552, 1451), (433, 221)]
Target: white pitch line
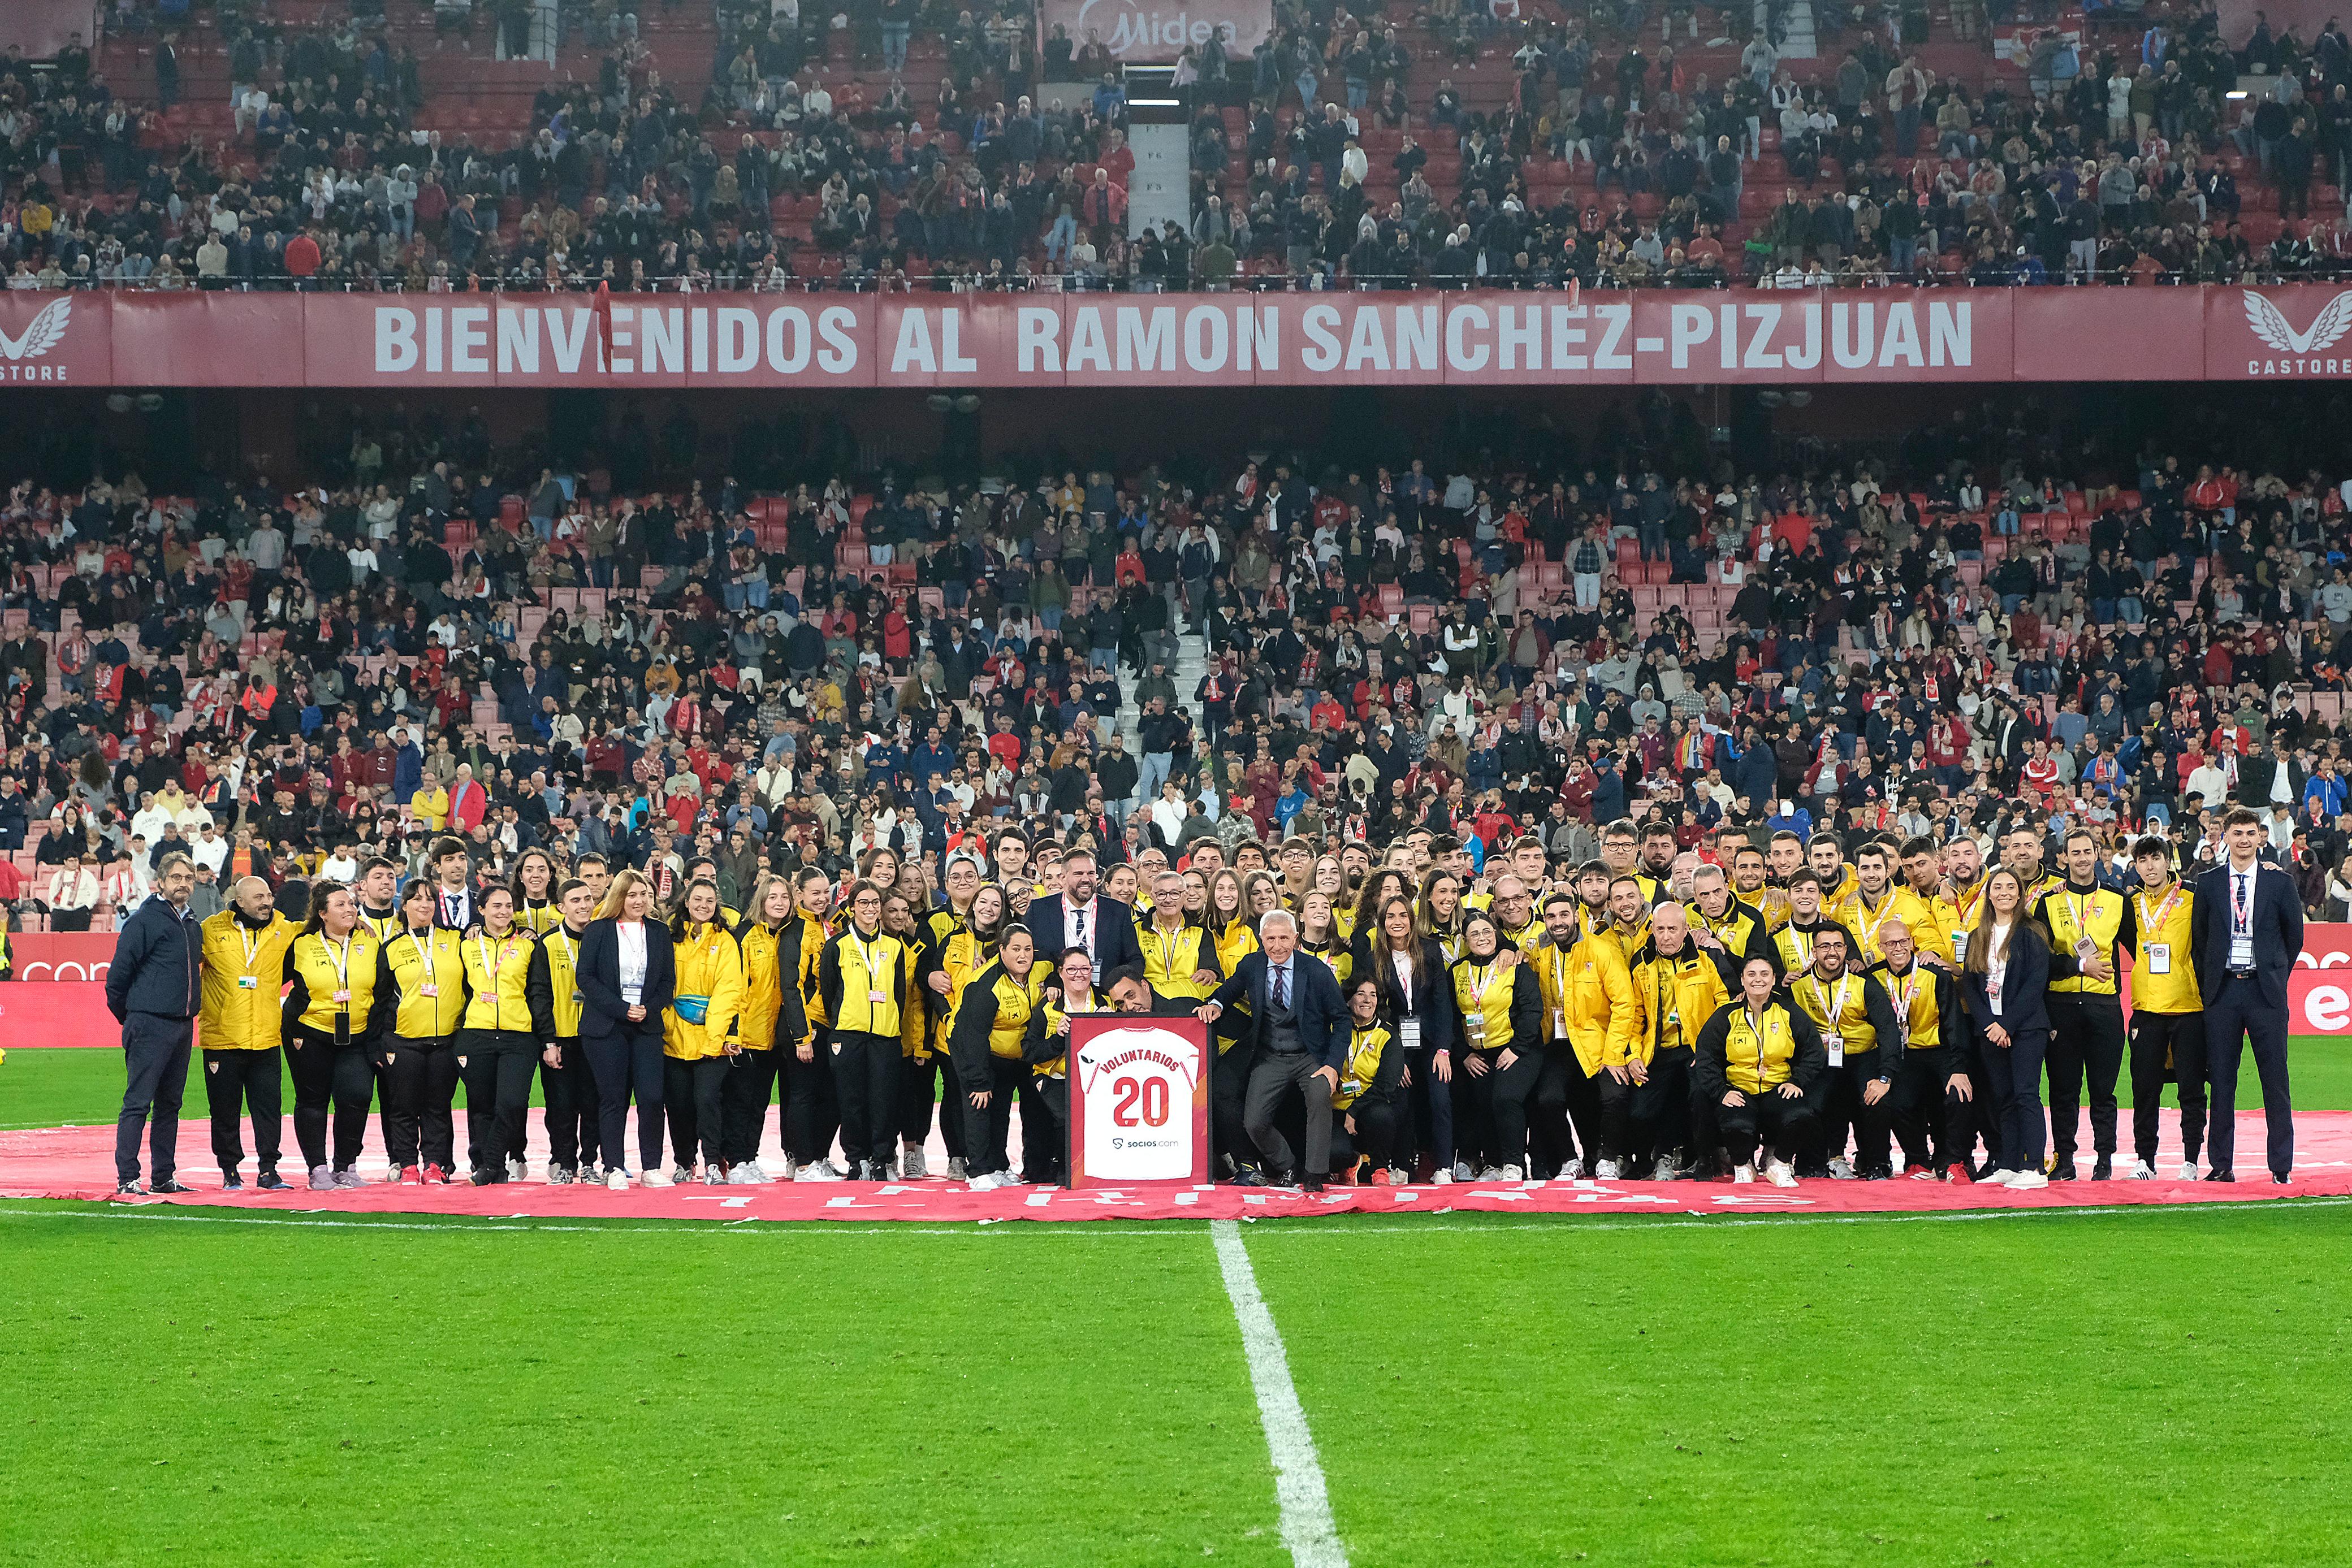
[(1307, 1527)]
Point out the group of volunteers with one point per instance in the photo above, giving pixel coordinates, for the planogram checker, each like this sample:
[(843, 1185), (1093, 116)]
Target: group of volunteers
[(1760, 1005)]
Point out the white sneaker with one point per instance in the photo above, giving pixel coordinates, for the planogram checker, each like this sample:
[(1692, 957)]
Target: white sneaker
[(2188, 1170), (748, 1173), (1462, 1171), (956, 1170), (714, 1174), (1996, 1178), (1573, 1171), (1511, 1173), (617, 1179), (1780, 1174), (1742, 1175), (1608, 1170), (818, 1170), (991, 1180), (681, 1176), (656, 1177), (2142, 1170), (1441, 1176), (917, 1167), (516, 1169), (1490, 1173), (1664, 1170), (1840, 1169), (2025, 1181)]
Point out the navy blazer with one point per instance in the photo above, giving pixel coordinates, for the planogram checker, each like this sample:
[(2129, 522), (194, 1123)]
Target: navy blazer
[(1314, 995), (2277, 922), (1432, 1008), (1115, 945), (2024, 992), (598, 975)]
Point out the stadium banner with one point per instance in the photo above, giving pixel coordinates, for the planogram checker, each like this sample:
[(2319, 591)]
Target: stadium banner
[(64, 1015), (1138, 1106), (1138, 32), (2318, 1003), (1153, 341), (57, 340), (2325, 946), (53, 956)]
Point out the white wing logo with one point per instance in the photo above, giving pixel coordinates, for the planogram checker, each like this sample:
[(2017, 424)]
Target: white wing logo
[(2269, 323), (42, 335)]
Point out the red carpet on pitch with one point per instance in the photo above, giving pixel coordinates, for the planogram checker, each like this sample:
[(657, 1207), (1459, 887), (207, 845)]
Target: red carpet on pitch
[(78, 1162)]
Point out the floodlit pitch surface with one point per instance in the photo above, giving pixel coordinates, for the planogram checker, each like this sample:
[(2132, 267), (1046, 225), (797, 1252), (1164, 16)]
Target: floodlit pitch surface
[(2037, 1389), (2162, 1387)]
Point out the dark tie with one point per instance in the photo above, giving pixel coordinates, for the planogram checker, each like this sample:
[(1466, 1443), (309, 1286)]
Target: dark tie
[(1078, 934), (1281, 986)]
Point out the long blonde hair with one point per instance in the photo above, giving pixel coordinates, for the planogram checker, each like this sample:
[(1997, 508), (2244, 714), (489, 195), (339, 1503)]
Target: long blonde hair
[(615, 904), (758, 912)]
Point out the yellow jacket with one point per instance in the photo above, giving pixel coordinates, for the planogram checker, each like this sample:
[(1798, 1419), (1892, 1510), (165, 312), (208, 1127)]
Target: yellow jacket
[(1337, 957), (991, 1023), (2096, 916), (1933, 921), (411, 967), (1368, 1047), (1170, 961), (553, 985), (2163, 932), (763, 984), (1048, 1047), (1675, 997), (854, 970), (1235, 943), (537, 918), (497, 979), (1734, 1053), (431, 805), (709, 965), (1588, 995), (1867, 924), (328, 980), (1852, 1013), (245, 974), (966, 953)]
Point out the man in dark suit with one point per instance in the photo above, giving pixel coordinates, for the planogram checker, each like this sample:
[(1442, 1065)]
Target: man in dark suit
[(1075, 917), (2247, 930), (1296, 1036)]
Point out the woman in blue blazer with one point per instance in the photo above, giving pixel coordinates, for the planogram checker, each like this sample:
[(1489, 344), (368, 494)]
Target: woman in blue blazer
[(2005, 981), (626, 976)]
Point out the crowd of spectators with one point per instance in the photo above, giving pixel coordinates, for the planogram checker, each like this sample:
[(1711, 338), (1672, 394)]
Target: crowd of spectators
[(2004, 619), (1344, 153)]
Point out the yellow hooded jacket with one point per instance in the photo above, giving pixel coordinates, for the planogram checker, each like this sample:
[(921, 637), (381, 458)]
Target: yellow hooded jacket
[(711, 965), (245, 973), (1588, 999)]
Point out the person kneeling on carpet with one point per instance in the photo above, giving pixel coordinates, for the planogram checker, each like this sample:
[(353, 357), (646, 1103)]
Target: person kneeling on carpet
[(1758, 1060), (1367, 1100)]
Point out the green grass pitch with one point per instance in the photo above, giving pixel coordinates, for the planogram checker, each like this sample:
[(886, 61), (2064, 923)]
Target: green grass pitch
[(2058, 1389)]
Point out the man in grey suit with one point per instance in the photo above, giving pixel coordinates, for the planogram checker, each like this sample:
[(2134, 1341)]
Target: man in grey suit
[(1299, 1026), (2246, 931)]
